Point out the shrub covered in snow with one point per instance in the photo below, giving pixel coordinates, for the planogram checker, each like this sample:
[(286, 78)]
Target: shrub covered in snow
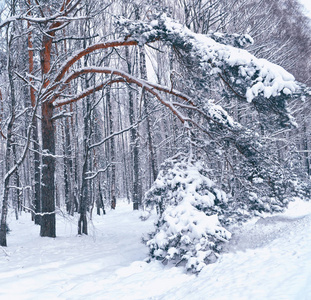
[(188, 230), (194, 214)]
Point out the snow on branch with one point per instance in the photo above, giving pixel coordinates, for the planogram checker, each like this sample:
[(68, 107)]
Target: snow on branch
[(61, 16), (253, 79), (38, 213), (95, 174), (211, 111), (260, 75), (213, 51), (267, 84), (62, 114), (26, 146), (258, 80), (116, 134)]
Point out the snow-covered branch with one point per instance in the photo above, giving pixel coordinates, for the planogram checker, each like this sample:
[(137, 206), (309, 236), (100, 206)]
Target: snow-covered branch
[(26, 146), (38, 214), (245, 74), (98, 172), (255, 79), (211, 111), (260, 75), (115, 134), (61, 16), (62, 114)]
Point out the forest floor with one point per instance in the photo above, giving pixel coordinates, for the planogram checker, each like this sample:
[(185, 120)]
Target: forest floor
[(266, 259)]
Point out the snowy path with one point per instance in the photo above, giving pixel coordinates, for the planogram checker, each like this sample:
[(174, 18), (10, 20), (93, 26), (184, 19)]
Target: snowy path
[(43, 267), (270, 259)]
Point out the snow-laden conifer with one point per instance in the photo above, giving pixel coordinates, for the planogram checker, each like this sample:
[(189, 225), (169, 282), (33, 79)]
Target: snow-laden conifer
[(195, 215), (188, 230)]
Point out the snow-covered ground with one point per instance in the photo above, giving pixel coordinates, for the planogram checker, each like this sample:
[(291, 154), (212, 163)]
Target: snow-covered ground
[(267, 259)]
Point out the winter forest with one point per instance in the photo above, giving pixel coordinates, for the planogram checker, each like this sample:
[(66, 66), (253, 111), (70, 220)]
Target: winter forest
[(196, 113)]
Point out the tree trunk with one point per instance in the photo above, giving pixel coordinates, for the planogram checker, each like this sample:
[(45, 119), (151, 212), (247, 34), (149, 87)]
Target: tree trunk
[(37, 186), (48, 227), (37, 162), (125, 163), (82, 223), (305, 146), (153, 157), (16, 184), (113, 199), (68, 167), (136, 195), (4, 212)]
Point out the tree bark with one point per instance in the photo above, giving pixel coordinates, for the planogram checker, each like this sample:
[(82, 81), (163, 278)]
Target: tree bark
[(136, 195), (113, 199), (4, 211), (48, 227), (82, 223), (35, 137), (305, 146), (153, 157)]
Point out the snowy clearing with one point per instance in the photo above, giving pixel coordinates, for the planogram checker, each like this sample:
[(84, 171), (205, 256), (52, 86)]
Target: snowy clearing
[(266, 259)]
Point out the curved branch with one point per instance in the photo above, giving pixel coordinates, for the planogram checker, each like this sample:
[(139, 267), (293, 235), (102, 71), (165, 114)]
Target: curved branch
[(116, 133), (88, 92), (195, 108), (88, 50), (1, 133), (148, 86), (129, 78)]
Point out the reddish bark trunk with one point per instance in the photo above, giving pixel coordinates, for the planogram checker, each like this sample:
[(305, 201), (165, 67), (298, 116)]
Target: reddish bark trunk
[(48, 227)]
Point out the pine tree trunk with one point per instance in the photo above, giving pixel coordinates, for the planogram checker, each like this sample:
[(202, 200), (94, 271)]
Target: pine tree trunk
[(48, 227)]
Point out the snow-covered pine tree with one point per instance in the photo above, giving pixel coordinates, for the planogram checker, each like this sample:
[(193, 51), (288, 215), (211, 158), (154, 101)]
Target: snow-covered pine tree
[(188, 230), (195, 215)]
